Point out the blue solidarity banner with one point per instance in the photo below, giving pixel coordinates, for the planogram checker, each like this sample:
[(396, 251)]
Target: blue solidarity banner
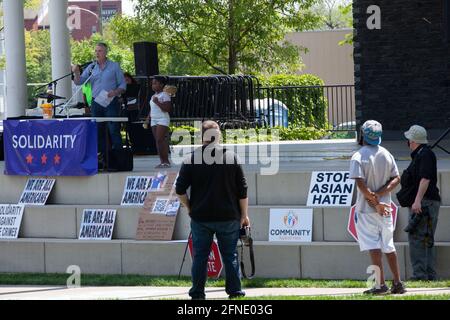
[(50, 147)]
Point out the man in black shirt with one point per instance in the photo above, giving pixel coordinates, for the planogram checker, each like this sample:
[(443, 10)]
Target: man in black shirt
[(218, 204), (426, 205)]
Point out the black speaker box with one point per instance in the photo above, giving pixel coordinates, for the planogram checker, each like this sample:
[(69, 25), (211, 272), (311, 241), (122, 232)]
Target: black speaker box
[(142, 140), (146, 59)]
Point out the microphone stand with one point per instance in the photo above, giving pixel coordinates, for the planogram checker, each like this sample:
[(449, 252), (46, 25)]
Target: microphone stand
[(65, 106), (55, 82)]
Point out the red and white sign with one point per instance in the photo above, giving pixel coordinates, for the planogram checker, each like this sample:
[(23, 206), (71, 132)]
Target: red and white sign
[(353, 217), (214, 260)]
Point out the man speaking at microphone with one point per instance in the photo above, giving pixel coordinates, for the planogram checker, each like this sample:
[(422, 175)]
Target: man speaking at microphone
[(108, 83)]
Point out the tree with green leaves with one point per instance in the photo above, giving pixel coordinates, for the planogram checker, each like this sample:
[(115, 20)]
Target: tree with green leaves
[(84, 50), (335, 14), (224, 36)]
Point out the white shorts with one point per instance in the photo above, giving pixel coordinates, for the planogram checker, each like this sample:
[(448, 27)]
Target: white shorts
[(375, 232), (160, 122)]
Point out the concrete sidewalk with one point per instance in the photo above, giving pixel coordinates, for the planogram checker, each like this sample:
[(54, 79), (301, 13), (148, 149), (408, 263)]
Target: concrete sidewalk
[(156, 293)]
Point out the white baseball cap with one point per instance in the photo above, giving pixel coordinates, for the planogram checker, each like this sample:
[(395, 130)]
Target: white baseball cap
[(417, 134)]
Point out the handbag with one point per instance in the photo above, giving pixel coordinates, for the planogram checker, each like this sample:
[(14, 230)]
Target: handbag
[(407, 193)]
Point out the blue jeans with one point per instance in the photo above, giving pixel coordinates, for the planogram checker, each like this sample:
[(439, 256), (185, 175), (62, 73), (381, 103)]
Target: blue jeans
[(423, 259), (227, 234), (112, 110)]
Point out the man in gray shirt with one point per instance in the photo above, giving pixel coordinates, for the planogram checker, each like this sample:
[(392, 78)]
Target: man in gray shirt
[(376, 175)]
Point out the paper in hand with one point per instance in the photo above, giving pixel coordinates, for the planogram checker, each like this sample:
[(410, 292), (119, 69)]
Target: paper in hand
[(103, 99)]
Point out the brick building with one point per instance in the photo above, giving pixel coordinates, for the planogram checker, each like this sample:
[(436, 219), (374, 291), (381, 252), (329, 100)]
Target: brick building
[(89, 24), (402, 70)]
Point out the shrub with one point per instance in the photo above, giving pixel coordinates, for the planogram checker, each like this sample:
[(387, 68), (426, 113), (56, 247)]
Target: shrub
[(263, 135), (305, 98)]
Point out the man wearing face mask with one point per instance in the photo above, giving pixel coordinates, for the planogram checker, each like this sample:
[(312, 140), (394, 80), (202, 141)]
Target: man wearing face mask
[(425, 209)]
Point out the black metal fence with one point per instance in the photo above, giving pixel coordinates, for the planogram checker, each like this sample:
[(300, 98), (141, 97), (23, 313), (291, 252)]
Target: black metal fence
[(240, 101), (323, 107)]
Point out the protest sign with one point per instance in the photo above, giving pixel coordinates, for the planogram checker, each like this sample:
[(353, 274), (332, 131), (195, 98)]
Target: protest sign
[(135, 190), (330, 189), (50, 147), (97, 224), (10, 220), (158, 215), (36, 191)]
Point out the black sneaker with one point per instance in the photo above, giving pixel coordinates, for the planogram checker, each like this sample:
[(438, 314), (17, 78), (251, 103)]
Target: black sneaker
[(398, 288), (378, 291)]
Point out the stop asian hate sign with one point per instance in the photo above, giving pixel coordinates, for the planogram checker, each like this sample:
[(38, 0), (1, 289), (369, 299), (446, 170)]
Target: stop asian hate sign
[(330, 189)]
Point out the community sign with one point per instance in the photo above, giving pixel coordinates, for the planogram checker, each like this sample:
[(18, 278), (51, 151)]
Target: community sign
[(290, 225)]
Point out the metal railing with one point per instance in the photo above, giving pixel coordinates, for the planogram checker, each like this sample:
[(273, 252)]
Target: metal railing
[(240, 101), (324, 107)]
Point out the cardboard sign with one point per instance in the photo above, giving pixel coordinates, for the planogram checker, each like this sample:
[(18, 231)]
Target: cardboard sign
[(166, 206), (10, 220), (291, 225), (36, 191), (97, 224), (155, 227), (158, 215), (330, 189), (135, 190)]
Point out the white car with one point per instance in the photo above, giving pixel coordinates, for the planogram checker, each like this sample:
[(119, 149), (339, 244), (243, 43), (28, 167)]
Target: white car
[(274, 112), (346, 126)]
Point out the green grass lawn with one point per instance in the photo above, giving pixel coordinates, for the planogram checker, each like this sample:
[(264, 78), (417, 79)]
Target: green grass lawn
[(173, 281), (356, 297)]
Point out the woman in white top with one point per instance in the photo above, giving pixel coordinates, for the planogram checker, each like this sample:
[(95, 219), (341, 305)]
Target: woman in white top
[(160, 106)]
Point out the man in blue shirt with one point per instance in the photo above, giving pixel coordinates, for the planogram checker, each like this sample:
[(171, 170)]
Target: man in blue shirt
[(106, 79)]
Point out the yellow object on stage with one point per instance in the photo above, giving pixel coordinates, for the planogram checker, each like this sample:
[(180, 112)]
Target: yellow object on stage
[(47, 110)]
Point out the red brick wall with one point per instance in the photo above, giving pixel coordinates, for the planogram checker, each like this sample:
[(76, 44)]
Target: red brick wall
[(88, 20)]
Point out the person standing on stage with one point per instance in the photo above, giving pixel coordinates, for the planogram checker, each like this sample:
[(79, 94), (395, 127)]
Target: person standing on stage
[(159, 118), (106, 78)]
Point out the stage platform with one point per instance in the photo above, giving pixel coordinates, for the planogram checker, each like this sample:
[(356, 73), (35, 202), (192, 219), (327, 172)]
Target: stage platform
[(48, 239)]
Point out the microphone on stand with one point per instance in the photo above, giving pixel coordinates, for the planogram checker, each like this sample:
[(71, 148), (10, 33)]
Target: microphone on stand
[(84, 65)]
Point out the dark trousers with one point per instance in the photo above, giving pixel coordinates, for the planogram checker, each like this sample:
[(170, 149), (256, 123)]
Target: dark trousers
[(423, 258), (227, 234), (112, 110)]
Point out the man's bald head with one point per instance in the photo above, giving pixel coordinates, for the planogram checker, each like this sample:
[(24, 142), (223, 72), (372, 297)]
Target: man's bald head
[(210, 132)]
